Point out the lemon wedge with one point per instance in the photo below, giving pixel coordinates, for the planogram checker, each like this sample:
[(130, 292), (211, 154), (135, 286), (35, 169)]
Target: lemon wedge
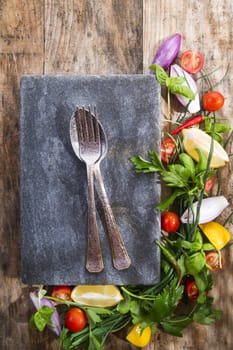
[(216, 234), (96, 295), (194, 138)]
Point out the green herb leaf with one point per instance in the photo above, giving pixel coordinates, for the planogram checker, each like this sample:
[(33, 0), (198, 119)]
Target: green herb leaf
[(175, 325), (160, 73), (176, 177), (188, 162), (218, 127), (182, 90), (64, 339), (163, 206), (94, 313), (156, 161), (124, 306), (94, 342), (166, 302), (206, 314), (42, 317), (174, 81), (142, 165), (194, 263), (145, 166)]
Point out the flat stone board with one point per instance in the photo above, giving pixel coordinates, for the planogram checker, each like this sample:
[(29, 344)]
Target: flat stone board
[(53, 194)]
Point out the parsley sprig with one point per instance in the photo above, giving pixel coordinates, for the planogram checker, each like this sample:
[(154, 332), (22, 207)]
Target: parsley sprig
[(186, 177)]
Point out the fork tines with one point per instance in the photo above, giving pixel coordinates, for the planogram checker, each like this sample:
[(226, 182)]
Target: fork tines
[(87, 124)]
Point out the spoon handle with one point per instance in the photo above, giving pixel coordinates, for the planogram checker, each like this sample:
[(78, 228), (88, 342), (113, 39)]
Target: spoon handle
[(120, 256), (94, 262)]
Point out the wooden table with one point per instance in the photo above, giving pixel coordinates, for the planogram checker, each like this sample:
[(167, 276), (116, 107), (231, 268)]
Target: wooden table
[(91, 36)]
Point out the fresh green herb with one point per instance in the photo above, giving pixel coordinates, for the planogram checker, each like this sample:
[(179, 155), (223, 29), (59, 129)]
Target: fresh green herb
[(42, 318), (94, 334), (173, 84)]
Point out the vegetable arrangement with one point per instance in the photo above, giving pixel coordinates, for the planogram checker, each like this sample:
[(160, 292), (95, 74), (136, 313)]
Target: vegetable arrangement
[(192, 243)]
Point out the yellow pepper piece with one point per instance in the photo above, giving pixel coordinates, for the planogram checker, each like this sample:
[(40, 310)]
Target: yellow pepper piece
[(216, 234), (139, 337)]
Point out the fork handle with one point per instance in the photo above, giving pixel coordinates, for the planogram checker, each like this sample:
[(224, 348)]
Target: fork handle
[(94, 262), (120, 256)]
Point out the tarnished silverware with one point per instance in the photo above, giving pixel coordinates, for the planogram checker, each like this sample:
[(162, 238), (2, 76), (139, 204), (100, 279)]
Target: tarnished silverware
[(83, 139), (120, 256)]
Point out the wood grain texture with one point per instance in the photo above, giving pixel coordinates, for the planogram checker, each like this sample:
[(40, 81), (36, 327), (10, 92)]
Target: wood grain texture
[(37, 37), (87, 37), (205, 26), (93, 37), (21, 51)]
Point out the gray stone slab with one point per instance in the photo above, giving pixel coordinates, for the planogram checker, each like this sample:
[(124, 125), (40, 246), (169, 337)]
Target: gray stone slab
[(53, 180)]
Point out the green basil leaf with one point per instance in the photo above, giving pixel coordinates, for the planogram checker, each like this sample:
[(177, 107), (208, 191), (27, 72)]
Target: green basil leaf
[(195, 263), (218, 127), (160, 73), (188, 162), (172, 81), (42, 317), (181, 171), (182, 90)]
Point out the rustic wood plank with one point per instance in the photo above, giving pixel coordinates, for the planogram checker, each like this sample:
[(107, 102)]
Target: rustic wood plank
[(93, 37), (55, 36), (21, 52), (49, 37), (206, 26)]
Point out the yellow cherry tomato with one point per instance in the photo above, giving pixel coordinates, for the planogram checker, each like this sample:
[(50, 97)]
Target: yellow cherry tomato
[(139, 337), (216, 234)]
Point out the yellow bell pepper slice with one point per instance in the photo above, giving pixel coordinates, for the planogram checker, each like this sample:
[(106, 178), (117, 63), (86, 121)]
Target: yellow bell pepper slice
[(139, 337), (216, 234)]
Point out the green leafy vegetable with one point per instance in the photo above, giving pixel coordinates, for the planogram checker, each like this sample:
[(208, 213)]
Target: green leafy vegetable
[(173, 84), (42, 317)]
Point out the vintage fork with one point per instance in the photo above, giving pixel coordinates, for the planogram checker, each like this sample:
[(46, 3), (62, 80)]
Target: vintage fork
[(120, 255), (89, 152)]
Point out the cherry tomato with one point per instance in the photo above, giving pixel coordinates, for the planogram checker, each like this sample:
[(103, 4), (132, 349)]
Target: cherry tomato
[(168, 147), (192, 61), (62, 292), (215, 261), (209, 184), (170, 222), (75, 319), (212, 101), (191, 290)]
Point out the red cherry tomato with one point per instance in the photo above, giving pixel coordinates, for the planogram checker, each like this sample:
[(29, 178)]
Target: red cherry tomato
[(209, 184), (192, 61), (75, 319), (212, 101), (62, 292), (191, 290), (215, 261), (170, 222), (168, 147)]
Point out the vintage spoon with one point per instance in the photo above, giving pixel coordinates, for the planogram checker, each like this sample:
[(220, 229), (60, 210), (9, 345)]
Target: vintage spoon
[(83, 140), (120, 256)]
